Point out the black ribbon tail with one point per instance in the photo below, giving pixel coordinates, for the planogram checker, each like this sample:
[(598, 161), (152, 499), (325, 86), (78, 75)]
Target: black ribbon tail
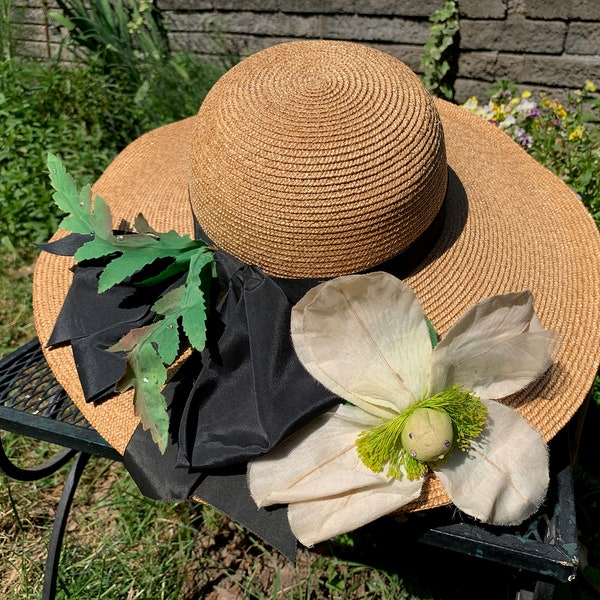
[(66, 246), (158, 478)]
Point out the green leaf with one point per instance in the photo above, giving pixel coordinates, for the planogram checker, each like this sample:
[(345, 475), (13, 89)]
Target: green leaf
[(79, 204), (166, 339), (128, 264), (102, 216), (95, 248), (194, 304), (167, 304), (181, 312), (146, 373), (134, 259), (62, 20)]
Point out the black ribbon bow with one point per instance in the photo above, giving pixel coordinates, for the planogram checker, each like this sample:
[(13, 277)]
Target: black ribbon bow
[(238, 399)]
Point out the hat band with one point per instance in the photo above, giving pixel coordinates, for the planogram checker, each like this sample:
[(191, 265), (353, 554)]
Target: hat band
[(401, 265)]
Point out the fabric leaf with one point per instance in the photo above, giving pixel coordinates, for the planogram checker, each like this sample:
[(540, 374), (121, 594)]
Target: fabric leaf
[(128, 253), (79, 204), (180, 249), (364, 337), (503, 478), (194, 303), (146, 373)]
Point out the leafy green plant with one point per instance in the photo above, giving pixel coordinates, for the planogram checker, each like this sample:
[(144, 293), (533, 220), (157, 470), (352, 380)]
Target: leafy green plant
[(16, 323), (80, 113), (562, 136), (127, 39), (126, 34), (83, 113), (440, 61), (175, 90)]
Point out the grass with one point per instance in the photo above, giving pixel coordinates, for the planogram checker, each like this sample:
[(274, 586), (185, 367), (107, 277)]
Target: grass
[(16, 320), (122, 546)]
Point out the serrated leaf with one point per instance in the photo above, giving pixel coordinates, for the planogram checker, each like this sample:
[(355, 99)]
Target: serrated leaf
[(133, 259), (132, 338), (95, 248), (79, 204), (166, 338), (102, 216), (167, 303), (195, 301), (146, 373), (62, 183), (179, 265), (127, 265)]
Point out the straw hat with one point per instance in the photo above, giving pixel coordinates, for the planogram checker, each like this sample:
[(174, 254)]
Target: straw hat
[(316, 159)]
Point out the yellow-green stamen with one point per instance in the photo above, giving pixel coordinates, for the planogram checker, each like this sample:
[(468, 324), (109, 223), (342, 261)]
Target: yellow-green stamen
[(383, 445)]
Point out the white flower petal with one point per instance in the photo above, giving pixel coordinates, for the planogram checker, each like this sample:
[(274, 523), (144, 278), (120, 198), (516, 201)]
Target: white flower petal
[(497, 348), (364, 337), (316, 521), (328, 488), (504, 477), (319, 460)]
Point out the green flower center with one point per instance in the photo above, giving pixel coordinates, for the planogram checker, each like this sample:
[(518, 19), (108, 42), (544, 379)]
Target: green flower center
[(425, 432)]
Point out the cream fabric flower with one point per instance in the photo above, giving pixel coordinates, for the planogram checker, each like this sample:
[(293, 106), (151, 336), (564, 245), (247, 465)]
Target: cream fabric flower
[(366, 339)]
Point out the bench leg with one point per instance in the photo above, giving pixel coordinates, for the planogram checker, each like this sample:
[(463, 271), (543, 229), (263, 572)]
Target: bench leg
[(38, 472), (60, 522)]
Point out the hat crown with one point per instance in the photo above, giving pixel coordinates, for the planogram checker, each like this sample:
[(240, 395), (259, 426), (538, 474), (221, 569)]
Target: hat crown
[(317, 159)]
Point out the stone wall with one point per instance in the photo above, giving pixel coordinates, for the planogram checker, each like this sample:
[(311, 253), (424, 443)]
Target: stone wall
[(540, 44), (34, 33)]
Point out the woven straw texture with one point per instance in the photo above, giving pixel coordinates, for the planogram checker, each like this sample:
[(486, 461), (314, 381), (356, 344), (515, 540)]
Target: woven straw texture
[(300, 166), (510, 225)]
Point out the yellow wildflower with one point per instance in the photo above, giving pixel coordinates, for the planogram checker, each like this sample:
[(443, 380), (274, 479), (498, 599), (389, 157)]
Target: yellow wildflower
[(559, 110), (526, 94), (577, 133), (589, 86)]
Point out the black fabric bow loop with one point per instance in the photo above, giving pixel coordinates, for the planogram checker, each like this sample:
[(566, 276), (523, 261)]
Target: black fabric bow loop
[(253, 391)]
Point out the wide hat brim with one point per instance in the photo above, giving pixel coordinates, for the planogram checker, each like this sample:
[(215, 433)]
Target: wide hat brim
[(509, 225)]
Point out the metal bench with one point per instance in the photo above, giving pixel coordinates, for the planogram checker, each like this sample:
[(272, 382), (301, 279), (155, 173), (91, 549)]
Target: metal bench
[(32, 403)]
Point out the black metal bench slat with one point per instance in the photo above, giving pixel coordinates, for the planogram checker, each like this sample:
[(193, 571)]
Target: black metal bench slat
[(33, 403)]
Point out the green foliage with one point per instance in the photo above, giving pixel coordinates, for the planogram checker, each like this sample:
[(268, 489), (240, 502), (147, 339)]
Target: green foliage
[(126, 34), (79, 113), (175, 89), (439, 63), (565, 137), (182, 309), (126, 38), (16, 322), (85, 113)]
